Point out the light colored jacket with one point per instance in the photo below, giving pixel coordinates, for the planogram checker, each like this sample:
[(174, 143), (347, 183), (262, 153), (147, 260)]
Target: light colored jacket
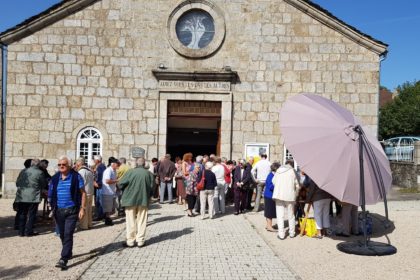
[(286, 185), (88, 178)]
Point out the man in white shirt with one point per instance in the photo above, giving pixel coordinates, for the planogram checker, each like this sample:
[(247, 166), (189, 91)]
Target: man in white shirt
[(260, 172), (109, 188), (219, 191)]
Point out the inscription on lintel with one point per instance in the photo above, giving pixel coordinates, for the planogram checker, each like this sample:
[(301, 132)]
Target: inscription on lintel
[(194, 86)]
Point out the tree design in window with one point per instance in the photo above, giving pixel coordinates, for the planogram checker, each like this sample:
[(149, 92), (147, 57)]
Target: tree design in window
[(195, 29)]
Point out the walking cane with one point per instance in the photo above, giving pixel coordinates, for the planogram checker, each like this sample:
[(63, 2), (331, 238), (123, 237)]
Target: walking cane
[(303, 226)]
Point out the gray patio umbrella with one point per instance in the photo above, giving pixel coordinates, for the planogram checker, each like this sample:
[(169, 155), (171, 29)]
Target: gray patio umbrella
[(332, 147)]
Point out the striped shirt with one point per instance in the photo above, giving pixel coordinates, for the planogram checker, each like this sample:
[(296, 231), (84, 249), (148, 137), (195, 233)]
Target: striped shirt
[(64, 199)]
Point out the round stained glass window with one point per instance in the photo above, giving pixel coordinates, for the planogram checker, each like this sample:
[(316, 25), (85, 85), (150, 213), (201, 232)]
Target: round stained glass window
[(195, 29)]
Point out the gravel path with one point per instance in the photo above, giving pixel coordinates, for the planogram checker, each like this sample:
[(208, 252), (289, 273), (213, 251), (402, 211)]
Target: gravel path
[(319, 259), (35, 257)]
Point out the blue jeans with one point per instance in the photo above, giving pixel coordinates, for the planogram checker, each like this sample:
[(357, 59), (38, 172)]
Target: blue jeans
[(98, 204), (66, 222), (168, 185)]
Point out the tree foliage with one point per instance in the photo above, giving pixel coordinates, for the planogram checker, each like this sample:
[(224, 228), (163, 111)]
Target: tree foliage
[(402, 115)]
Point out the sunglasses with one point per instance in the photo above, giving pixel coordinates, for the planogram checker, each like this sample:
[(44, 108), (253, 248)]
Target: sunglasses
[(61, 164)]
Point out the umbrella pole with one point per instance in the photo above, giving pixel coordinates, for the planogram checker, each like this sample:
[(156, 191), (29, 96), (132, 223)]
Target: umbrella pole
[(362, 184), (367, 248)]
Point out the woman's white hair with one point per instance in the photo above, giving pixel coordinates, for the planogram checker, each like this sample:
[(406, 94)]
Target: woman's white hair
[(209, 165)]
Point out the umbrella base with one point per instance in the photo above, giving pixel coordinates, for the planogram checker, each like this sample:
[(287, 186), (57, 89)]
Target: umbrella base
[(371, 249)]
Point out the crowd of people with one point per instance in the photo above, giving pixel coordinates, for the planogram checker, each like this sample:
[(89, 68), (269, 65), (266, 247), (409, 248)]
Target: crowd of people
[(202, 185)]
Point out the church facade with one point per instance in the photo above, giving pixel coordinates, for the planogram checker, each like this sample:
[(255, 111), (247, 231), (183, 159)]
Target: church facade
[(111, 77)]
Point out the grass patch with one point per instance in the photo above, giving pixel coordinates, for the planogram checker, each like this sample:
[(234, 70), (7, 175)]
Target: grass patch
[(409, 190)]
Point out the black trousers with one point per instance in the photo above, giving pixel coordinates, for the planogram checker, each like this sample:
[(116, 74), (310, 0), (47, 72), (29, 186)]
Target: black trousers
[(239, 199), (27, 215), (191, 201), (249, 193), (66, 219)]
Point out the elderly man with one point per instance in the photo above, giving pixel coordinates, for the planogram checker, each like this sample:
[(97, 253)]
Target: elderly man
[(109, 189), (219, 190), (166, 171), (123, 167), (251, 183), (29, 184), (260, 172), (241, 181), (88, 178), (136, 185), (68, 200), (100, 168)]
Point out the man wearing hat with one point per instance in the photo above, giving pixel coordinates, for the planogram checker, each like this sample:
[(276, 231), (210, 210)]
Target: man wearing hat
[(109, 188)]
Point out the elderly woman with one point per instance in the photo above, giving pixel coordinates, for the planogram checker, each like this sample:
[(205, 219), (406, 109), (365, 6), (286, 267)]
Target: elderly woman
[(210, 183), (180, 188), (269, 204), (186, 167), (190, 171), (320, 200), (286, 187)]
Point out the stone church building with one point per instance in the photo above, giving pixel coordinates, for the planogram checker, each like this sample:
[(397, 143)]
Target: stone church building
[(90, 77)]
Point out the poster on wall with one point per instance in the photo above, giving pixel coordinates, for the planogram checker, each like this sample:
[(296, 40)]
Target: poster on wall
[(256, 150)]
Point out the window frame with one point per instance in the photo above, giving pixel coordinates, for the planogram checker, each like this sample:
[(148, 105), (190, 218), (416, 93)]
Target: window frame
[(90, 141)]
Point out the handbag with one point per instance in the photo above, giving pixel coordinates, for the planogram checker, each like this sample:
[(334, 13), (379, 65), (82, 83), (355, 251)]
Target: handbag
[(200, 185), (310, 226)]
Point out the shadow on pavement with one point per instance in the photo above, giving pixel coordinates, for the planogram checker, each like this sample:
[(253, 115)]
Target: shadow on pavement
[(168, 236), (42, 226), (101, 224), (380, 228), (163, 219), (103, 250), (17, 272)]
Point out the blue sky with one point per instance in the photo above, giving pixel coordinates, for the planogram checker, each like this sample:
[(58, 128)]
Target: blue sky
[(393, 22)]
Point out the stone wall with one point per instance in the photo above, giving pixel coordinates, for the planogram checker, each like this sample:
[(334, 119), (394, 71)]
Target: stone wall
[(405, 174), (95, 68)]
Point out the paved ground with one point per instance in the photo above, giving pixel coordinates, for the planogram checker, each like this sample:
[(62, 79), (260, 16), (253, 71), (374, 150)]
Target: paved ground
[(229, 247), (35, 257), (180, 247), (319, 259)]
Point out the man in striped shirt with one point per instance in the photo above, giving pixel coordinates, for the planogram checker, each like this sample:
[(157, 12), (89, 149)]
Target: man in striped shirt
[(68, 200)]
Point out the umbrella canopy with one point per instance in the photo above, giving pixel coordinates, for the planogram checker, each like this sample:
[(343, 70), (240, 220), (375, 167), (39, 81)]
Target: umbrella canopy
[(319, 134)]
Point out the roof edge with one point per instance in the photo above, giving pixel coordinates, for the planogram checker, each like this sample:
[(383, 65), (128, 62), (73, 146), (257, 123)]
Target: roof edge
[(322, 15), (43, 19)]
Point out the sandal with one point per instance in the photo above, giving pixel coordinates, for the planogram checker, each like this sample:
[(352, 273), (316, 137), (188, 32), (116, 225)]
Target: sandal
[(317, 236), (270, 229)]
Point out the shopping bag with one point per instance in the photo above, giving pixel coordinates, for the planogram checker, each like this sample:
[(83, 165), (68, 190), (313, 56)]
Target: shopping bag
[(310, 226)]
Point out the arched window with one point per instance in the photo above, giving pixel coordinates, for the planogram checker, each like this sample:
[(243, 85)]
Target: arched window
[(89, 143)]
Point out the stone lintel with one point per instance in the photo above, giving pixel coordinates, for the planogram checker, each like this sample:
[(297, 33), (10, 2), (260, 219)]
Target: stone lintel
[(198, 76)]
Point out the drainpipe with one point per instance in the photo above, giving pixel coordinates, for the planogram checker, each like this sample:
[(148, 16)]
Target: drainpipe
[(231, 123), (3, 113), (382, 57)]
